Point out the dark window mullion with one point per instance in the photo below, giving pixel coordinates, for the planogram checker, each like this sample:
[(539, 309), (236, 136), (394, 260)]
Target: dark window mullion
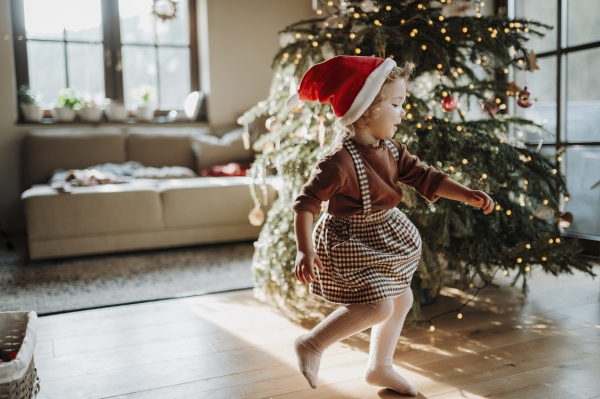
[(193, 47), (113, 76), (66, 59)]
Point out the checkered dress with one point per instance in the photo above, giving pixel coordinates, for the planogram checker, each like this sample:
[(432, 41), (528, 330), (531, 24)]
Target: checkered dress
[(367, 257)]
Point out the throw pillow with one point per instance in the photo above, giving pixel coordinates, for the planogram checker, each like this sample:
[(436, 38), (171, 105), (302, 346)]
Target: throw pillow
[(211, 150), (230, 169)]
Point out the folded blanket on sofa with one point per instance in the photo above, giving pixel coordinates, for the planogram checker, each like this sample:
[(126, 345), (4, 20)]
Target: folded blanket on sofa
[(110, 173)]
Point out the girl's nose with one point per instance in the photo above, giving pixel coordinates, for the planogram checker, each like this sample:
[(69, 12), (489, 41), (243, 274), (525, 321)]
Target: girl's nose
[(402, 114)]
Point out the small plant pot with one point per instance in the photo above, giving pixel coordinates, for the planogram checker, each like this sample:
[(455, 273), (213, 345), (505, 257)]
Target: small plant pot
[(90, 114), (116, 112), (63, 114), (32, 112), (145, 114)]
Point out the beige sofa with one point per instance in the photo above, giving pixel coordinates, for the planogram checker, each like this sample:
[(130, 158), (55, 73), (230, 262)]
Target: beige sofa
[(141, 214)]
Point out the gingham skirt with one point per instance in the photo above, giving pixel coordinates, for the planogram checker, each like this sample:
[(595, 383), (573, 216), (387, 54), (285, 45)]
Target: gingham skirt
[(365, 261)]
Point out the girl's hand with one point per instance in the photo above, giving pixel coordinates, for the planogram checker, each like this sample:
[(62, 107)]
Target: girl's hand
[(304, 267), (479, 199)]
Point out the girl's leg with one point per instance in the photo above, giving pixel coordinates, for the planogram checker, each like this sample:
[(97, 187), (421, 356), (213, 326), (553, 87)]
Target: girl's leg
[(342, 323), (384, 338)]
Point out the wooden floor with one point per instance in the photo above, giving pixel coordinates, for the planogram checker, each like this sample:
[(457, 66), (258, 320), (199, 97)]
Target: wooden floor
[(232, 346)]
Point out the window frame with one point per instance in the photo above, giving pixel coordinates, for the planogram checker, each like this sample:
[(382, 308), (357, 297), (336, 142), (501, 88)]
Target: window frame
[(113, 75), (591, 243)]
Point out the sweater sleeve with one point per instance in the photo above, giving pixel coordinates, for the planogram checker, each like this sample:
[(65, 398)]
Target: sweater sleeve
[(425, 179), (325, 181)]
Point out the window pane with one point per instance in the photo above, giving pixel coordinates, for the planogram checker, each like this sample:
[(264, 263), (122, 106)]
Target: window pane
[(543, 11), (583, 98), (542, 84), (45, 19), (174, 31), (139, 68), (46, 69), (583, 22), (37, 23), (83, 20), (86, 70), (583, 172), (174, 70), (137, 21)]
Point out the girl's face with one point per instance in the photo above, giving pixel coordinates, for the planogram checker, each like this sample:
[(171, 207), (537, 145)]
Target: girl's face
[(388, 114)]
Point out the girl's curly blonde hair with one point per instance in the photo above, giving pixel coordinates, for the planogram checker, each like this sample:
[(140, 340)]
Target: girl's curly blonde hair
[(396, 73)]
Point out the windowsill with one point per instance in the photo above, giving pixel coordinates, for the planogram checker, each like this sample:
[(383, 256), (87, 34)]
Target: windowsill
[(132, 121)]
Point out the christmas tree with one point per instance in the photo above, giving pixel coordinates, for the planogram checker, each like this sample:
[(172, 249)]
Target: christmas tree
[(456, 121)]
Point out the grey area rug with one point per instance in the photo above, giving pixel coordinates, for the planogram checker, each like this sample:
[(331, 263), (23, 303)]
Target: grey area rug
[(54, 286)]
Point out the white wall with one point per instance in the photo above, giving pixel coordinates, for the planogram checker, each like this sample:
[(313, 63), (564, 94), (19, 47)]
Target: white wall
[(241, 42)]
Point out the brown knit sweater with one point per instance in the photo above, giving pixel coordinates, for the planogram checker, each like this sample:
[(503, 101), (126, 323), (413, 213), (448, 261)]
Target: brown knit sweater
[(334, 179)]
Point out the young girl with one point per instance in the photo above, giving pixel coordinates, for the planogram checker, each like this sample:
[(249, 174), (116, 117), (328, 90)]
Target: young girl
[(365, 249)]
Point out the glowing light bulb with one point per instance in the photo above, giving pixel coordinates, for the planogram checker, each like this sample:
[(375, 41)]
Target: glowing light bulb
[(497, 207), (447, 38), (528, 246), (508, 212), (505, 272), (315, 44), (352, 35), (557, 240), (423, 47), (441, 18), (543, 258), (484, 176), (545, 202), (459, 315), (439, 66), (357, 51), (432, 328), (471, 86), (566, 199), (443, 30), (388, 8), (551, 241), (464, 162)]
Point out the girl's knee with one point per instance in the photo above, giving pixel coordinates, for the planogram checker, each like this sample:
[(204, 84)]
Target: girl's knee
[(383, 309)]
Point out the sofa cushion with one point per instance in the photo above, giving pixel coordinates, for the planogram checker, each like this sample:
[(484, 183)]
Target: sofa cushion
[(207, 201), (112, 208), (212, 150), (46, 150), (158, 149)]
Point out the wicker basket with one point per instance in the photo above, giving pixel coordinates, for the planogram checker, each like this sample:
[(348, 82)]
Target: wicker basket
[(18, 378)]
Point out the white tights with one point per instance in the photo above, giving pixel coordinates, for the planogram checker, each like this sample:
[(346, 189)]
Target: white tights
[(386, 317)]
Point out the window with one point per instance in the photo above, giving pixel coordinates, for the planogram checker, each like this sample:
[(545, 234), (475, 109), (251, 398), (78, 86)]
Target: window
[(567, 93), (106, 49)]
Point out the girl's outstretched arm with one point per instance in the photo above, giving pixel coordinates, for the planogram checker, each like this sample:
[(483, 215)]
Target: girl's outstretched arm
[(306, 257), (456, 191)]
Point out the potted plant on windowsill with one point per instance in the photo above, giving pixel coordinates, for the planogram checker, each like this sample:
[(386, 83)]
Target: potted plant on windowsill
[(144, 96), (29, 103), (90, 112), (68, 102), (115, 111)]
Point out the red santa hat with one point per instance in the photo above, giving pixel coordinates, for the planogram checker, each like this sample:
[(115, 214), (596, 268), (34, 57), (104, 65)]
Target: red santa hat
[(348, 83)]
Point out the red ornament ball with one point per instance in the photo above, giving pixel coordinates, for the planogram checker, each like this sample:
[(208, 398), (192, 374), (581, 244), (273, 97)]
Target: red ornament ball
[(489, 107), (449, 103), (12, 355), (524, 99)]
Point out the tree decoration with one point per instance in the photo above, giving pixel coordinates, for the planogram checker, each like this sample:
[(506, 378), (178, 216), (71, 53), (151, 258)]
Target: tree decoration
[(458, 55), (564, 220), (489, 107), (533, 65), (449, 103), (524, 99)]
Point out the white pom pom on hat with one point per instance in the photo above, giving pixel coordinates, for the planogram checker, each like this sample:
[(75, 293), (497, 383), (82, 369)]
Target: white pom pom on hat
[(348, 83)]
